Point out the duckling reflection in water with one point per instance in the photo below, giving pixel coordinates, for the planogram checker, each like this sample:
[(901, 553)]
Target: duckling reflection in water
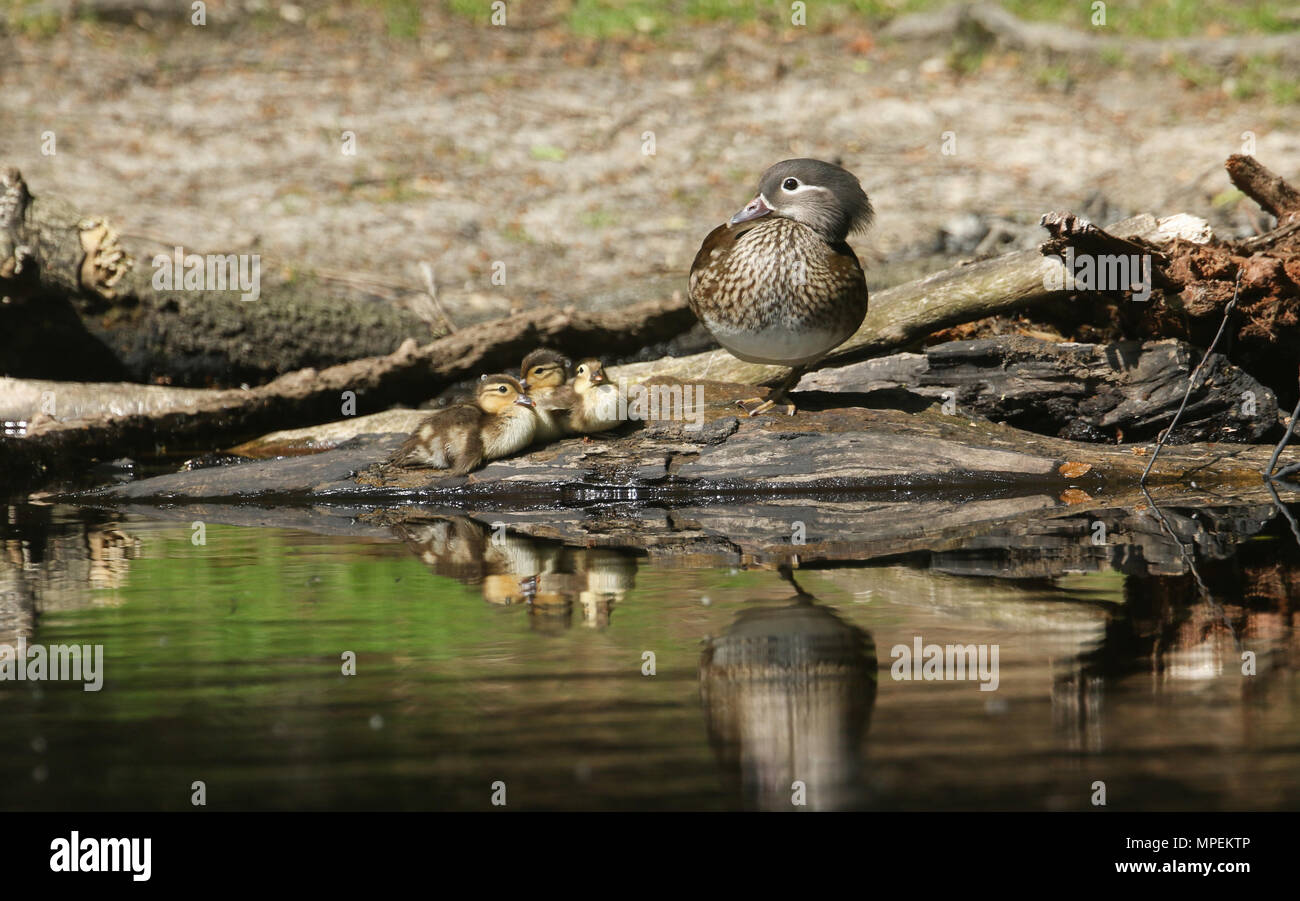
[(516, 562), (515, 569), (788, 693), (452, 546), (607, 576)]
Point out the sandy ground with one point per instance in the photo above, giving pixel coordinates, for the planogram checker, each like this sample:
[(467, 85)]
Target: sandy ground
[(524, 146)]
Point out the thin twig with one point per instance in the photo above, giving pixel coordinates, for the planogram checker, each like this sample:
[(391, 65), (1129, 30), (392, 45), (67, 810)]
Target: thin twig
[(1281, 445), (1286, 471), (1189, 558), (1191, 382), (1182, 548), (431, 288), (1295, 527)]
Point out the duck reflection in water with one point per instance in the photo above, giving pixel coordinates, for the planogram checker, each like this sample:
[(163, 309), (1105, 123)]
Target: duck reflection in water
[(787, 693), (1205, 613), (510, 568)]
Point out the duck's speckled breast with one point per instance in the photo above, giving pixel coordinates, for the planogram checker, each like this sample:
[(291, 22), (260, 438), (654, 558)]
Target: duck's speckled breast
[(775, 292)]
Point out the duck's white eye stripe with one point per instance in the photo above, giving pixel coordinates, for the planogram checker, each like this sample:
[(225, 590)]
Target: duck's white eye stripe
[(802, 188)]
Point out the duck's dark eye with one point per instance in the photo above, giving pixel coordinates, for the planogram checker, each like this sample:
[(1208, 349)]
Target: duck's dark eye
[(790, 184), (502, 388)]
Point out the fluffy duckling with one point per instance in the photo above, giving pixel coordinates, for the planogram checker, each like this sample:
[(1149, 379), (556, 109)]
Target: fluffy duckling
[(595, 403), (461, 437), (544, 373)]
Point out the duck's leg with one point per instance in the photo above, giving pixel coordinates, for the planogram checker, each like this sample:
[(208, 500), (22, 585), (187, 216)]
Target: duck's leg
[(778, 397)]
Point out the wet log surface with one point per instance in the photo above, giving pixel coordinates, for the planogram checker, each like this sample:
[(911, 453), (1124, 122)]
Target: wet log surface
[(1029, 535), (815, 453), (831, 484)]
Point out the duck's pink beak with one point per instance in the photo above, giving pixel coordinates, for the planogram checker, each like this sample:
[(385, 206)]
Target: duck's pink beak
[(755, 208), (524, 400)]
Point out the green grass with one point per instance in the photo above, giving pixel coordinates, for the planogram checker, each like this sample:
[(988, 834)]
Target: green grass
[(401, 17), (1261, 76), (598, 219), (1134, 18), (547, 153)]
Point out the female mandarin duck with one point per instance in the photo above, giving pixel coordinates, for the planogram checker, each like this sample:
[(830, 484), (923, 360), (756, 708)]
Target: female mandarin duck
[(777, 283)]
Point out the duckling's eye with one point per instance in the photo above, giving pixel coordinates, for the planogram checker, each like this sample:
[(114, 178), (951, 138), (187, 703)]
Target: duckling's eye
[(582, 370), (502, 388), (790, 184)]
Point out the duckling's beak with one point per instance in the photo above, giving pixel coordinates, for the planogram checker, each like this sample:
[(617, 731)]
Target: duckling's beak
[(597, 378), (755, 208), (524, 400)]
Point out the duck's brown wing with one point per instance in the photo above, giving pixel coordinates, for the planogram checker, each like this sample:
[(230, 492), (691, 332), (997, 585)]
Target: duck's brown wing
[(720, 240), (453, 424), (466, 451), (847, 283), (711, 260), (557, 399)]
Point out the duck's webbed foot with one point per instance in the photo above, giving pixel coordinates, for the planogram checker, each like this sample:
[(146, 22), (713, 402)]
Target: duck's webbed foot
[(778, 398), (762, 406)]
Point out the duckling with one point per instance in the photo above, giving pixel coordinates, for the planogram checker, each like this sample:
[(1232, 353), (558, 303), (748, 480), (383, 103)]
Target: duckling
[(544, 373), (594, 404), (461, 437)]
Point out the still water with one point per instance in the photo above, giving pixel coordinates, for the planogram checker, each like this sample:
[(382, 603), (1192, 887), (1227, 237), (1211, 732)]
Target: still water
[(625, 677)]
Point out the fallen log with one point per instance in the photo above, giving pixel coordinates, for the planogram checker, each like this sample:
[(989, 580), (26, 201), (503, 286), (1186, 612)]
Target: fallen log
[(707, 451), (667, 495), (31, 401), (903, 315), (988, 23), (1125, 391), (410, 375), (82, 301), (899, 317), (1192, 277)]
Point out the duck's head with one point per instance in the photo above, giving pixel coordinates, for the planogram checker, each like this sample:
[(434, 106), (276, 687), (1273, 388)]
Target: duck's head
[(497, 392), (823, 196), (544, 368), (589, 374)]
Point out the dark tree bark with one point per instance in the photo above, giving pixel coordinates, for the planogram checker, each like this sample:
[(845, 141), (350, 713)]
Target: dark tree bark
[(1126, 391), (79, 303)]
